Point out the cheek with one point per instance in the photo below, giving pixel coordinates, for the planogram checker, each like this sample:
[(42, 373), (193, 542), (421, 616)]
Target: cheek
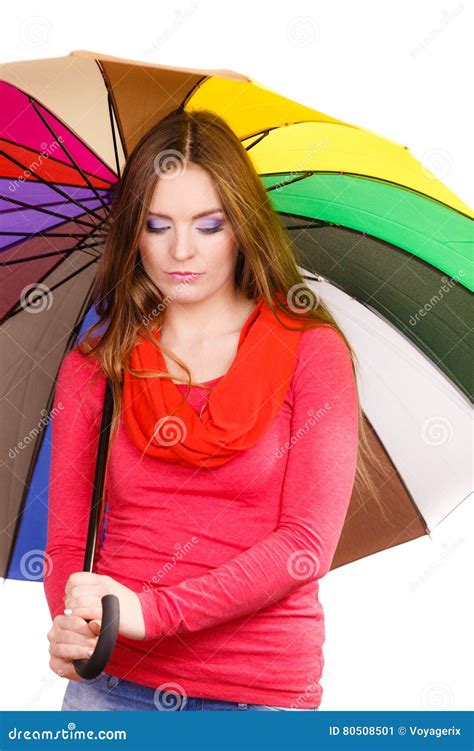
[(220, 251), (149, 251)]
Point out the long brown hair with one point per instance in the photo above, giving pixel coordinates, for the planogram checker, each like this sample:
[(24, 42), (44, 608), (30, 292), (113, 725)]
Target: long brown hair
[(127, 299)]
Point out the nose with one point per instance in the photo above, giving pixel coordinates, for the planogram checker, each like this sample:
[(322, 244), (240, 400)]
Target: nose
[(182, 245)]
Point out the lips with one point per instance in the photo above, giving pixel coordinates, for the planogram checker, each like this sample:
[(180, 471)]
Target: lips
[(182, 276)]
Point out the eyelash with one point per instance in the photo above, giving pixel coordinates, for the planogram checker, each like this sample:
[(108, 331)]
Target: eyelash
[(209, 231)]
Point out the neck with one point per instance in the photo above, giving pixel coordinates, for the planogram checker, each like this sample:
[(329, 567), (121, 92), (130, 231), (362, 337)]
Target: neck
[(212, 317)]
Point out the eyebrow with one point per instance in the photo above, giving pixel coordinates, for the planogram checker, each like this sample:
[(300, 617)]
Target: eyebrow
[(196, 216)]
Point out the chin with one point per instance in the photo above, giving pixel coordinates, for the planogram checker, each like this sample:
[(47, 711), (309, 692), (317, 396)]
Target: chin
[(180, 291)]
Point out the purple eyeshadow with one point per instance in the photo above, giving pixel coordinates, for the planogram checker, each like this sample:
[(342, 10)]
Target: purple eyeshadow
[(212, 224), (155, 224)]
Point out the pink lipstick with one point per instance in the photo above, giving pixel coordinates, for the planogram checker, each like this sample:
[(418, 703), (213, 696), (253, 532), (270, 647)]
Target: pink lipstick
[(185, 276)]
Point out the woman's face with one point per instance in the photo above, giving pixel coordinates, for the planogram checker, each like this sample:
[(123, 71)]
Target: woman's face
[(186, 230)]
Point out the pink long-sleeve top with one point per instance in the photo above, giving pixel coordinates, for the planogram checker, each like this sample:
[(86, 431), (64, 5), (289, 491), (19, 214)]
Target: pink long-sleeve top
[(226, 561)]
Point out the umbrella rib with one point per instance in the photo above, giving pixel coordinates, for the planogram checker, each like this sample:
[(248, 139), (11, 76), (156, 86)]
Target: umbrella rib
[(15, 244), (372, 178), (296, 179), (96, 233), (257, 140), (114, 135), (53, 186), (40, 257), (67, 152), (316, 225), (12, 311), (41, 234), (266, 132), (43, 210)]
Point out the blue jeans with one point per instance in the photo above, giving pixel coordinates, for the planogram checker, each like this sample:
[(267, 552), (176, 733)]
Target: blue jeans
[(107, 692)]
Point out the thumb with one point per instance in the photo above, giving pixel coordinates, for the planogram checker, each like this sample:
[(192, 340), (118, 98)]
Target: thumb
[(95, 626)]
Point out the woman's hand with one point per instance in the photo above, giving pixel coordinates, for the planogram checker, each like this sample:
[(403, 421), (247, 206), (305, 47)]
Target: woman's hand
[(84, 592), (70, 639)]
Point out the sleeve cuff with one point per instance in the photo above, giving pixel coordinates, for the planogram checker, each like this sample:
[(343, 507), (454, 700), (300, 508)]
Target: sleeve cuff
[(153, 625)]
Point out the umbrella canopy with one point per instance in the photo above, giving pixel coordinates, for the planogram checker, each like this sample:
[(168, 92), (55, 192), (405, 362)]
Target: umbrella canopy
[(383, 242)]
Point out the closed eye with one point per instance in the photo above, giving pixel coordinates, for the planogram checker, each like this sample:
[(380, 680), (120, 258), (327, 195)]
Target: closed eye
[(210, 230), (205, 230), (156, 229)]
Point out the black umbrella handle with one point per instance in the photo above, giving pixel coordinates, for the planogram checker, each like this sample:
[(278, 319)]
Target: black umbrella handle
[(109, 629), (105, 646)]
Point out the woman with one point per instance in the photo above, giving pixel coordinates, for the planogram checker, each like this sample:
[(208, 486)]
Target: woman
[(234, 444)]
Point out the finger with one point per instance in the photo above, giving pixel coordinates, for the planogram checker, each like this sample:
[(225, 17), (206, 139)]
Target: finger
[(81, 578), (88, 613), (85, 601), (90, 590), (61, 649), (73, 651), (64, 669), (95, 626), (71, 637), (74, 623)]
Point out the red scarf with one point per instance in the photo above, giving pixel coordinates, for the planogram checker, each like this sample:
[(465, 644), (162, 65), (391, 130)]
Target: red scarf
[(240, 407)]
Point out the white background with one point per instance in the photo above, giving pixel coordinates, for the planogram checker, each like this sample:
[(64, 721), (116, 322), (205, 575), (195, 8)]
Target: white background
[(398, 624)]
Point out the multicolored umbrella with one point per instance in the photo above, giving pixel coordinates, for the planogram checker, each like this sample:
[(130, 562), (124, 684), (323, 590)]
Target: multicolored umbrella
[(378, 237)]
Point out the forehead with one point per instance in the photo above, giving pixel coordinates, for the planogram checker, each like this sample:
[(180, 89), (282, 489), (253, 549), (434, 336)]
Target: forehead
[(185, 192)]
